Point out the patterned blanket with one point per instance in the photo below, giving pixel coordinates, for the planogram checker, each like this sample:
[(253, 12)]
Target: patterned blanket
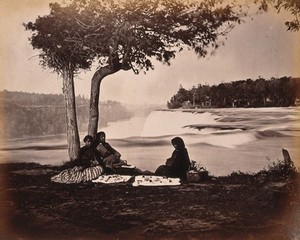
[(78, 174)]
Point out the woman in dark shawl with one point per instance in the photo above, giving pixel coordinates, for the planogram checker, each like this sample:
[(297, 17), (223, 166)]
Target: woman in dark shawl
[(85, 168), (178, 164)]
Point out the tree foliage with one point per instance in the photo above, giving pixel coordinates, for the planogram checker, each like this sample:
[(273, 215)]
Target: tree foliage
[(275, 92), (128, 34), (55, 36), (292, 6)]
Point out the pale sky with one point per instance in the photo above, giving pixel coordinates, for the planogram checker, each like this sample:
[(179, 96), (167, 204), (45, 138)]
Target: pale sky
[(262, 47)]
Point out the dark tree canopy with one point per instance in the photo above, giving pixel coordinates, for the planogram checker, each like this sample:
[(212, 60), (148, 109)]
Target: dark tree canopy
[(128, 34), (55, 36)]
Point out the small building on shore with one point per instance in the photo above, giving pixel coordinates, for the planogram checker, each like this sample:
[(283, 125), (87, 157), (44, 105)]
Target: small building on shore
[(186, 104)]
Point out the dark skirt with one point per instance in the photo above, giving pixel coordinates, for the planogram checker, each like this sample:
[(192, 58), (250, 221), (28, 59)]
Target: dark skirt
[(163, 170)]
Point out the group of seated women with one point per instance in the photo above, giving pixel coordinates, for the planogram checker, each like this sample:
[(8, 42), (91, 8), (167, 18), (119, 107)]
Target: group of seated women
[(95, 158), (98, 157)]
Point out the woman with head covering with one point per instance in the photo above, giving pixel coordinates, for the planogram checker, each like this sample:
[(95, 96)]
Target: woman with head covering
[(85, 168), (178, 164)]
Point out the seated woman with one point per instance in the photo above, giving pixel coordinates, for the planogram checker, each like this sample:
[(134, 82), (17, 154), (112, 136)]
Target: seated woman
[(85, 168), (110, 157), (178, 164)]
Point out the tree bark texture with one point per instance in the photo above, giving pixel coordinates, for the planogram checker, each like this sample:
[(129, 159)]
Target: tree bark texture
[(95, 95), (71, 117)]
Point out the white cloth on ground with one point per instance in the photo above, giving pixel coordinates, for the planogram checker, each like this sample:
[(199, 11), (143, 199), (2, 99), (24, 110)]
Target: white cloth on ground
[(114, 178), (155, 181)]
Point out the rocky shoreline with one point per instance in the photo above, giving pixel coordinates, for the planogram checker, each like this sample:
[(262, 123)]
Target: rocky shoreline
[(239, 206)]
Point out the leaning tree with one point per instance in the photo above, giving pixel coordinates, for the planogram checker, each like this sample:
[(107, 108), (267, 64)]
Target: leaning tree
[(141, 31), (130, 34), (121, 35)]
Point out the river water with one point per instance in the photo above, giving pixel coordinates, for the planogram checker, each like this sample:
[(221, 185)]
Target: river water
[(221, 140)]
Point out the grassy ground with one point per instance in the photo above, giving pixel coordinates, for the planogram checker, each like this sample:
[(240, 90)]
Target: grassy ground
[(241, 206)]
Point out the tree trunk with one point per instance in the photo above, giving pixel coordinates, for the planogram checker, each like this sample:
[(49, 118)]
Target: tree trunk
[(95, 95), (71, 119)]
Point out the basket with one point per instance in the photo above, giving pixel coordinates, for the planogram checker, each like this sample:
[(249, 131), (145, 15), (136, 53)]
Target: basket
[(195, 176)]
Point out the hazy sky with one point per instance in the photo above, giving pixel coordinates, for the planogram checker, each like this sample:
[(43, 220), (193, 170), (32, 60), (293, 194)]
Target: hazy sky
[(261, 47)]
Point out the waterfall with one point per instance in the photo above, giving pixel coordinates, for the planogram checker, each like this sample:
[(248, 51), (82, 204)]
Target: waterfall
[(160, 123)]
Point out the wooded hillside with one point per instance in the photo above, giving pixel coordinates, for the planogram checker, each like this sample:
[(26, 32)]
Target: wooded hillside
[(33, 114), (274, 92)]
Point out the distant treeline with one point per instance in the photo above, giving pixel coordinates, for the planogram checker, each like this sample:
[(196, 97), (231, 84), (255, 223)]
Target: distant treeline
[(32, 114), (275, 92)]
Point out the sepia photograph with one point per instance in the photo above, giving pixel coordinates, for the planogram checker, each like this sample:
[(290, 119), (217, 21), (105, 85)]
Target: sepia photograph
[(149, 119)]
